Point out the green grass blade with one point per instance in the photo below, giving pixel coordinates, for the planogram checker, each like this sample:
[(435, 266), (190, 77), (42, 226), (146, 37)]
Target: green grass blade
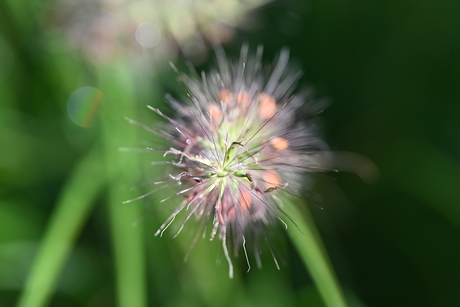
[(307, 241), (72, 210), (128, 247), (128, 241)]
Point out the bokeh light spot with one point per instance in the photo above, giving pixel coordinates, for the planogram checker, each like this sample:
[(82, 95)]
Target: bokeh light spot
[(148, 34), (83, 105)]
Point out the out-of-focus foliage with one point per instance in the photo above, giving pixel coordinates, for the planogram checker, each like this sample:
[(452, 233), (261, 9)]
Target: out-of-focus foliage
[(390, 70), (103, 29)]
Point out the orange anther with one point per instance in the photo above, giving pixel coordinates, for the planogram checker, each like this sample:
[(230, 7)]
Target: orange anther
[(271, 178), (245, 200), (279, 143), (215, 113), (267, 106), (242, 98), (225, 96), (231, 213)]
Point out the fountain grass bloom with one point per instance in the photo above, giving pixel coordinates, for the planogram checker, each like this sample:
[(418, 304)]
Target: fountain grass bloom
[(238, 146)]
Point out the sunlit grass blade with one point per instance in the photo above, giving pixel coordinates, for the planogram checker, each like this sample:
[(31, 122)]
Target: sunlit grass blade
[(307, 241), (128, 247), (72, 210), (128, 241)]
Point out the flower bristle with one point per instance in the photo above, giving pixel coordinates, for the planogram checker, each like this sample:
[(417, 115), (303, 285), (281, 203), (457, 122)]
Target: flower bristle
[(238, 148)]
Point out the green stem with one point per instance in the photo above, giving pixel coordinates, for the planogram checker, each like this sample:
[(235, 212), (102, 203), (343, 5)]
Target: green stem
[(128, 241), (72, 210), (306, 239)]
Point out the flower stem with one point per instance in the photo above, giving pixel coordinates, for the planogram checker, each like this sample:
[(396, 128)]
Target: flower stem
[(309, 245)]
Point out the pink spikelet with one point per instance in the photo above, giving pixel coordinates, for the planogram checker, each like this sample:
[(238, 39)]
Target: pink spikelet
[(238, 147)]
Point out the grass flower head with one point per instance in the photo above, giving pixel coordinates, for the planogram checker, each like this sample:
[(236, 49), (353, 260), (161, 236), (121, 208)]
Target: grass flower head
[(238, 145)]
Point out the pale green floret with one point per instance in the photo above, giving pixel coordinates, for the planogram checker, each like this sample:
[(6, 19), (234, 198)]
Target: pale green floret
[(222, 174), (241, 173)]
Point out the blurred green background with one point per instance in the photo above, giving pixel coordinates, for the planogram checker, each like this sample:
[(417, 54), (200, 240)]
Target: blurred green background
[(389, 69)]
